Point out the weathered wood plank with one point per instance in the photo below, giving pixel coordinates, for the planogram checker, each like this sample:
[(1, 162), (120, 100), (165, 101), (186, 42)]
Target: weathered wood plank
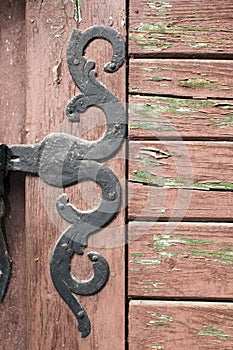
[(183, 260), (182, 77), (178, 26), (171, 164), (161, 203), (12, 104), (153, 117), (51, 325), (180, 325)]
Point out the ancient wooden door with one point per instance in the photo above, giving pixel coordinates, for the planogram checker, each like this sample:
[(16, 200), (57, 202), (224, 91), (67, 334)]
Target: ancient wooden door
[(170, 286), (36, 86)]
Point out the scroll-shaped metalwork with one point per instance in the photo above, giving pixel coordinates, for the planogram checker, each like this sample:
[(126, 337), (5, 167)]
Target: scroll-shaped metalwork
[(62, 160), (5, 268), (83, 163)]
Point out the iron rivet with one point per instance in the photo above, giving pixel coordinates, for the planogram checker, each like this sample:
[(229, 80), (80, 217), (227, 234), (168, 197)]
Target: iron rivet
[(112, 196), (61, 206), (76, 62), (113, 65), (95, 258), (81, 314)]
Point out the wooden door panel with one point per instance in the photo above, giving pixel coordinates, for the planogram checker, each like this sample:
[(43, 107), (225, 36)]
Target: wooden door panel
[(37, 318), (12, 102), (52, 325), (179, 27), (182, 77), (180, 260), (154, 117), (180, 325)]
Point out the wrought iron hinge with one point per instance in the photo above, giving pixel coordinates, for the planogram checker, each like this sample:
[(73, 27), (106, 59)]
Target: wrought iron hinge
[(62, 160)]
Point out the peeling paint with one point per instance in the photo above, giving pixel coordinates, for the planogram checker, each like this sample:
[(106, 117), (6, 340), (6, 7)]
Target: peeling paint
[(223, 255), (137, 255), (160, 320), (155, 153), (158, 78), (150, 126), (146, 177), (159, 5), (198, 110), (163, 241), (211, 331), (150, 263), (161, 35), (77, 10), (146, 161), (157, 347), (200, 83)]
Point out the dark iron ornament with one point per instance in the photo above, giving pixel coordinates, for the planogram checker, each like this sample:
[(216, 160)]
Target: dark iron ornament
[(62, 160)]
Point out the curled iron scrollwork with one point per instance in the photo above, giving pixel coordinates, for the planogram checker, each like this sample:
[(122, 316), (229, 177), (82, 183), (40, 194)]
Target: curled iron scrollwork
[(83, 162)]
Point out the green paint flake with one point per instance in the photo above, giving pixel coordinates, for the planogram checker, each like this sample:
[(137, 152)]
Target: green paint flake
[(146, 125), (77, 11), (145, 176), (148, 261), (162, 317), (159, 5), (200, 83), (163, 241), (146, 161), (137, 255), (172, 106), (160, 324), (163, 35), (158, 78), (223, 122), (223, 255), (211, 331)]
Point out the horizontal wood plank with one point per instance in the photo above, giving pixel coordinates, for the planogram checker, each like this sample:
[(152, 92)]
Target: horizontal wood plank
[(160, 203), (181, 180), (172, 164), (180, 26), (182, 77), (153, 117), (183, 260), (180, 325)]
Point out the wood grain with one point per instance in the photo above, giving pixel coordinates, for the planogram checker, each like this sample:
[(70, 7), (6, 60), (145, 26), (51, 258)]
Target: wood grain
[(177, 164), (182, 77), (180, 260), (51, 324), (12, 103), (178, 26), (153, 117), (161, 203), (180, 180), (180, 325)]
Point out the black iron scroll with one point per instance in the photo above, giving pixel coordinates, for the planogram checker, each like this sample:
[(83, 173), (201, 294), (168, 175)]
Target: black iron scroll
[(78, 160)]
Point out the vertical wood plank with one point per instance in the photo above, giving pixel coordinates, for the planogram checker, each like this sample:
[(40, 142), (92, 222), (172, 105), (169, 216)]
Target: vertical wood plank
[(12, 104), (51, 325)]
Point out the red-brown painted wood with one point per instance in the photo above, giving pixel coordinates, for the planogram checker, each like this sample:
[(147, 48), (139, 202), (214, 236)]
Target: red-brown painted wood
[(180, 180), (177, 164), (161, 203), (176, 325), (12, 103), (153, 117), (51, 324), (180, 260), (180, 27), (182, 77)]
